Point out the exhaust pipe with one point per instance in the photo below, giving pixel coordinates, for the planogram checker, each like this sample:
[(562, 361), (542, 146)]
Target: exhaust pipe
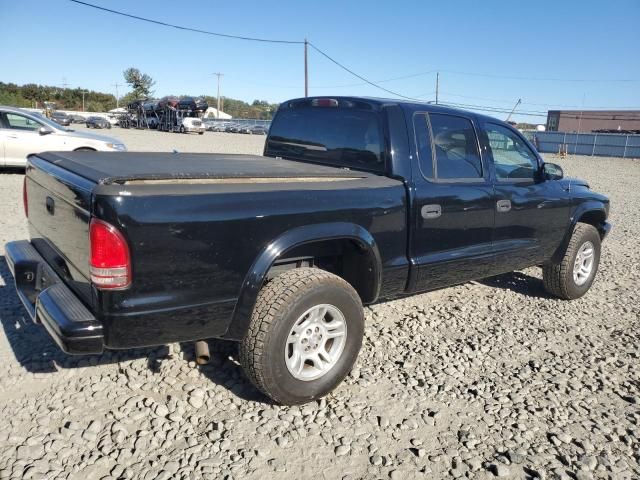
[(202, 352)]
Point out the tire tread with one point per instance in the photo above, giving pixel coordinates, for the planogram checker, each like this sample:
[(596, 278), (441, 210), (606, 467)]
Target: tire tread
[(272, 300), (557, 275)]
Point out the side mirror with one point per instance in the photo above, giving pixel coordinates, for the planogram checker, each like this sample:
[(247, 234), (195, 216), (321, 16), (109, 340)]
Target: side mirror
[(44, 131), (551, 171)]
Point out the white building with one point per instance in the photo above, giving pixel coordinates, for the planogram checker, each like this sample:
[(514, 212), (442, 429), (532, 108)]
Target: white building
[(212, 112)]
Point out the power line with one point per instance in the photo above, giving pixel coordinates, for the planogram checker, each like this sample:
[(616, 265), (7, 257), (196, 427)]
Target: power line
[(531, 103), (179, 27), (586, 115), (365, 80), (359, 76), (240, 37), (541, 79)]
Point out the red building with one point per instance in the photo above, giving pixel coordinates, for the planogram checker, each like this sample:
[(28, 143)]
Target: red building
[(610, 121)]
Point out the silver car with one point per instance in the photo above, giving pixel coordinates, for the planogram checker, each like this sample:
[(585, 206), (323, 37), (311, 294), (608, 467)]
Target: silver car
[(23, 133)]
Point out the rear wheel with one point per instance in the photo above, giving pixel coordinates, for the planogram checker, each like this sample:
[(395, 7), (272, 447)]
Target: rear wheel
[(304, 336), (573, 275), (84, 149), (182, 129)]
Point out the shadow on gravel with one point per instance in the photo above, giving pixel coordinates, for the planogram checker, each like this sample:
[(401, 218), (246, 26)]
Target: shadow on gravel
[(37, 352), (518, 282), (13, 170), (224, 370)]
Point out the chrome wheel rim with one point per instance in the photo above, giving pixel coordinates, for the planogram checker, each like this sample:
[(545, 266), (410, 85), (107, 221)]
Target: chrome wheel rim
[(583, 265), (316, 342)]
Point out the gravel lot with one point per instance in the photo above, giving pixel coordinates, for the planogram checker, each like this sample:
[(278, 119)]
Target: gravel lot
[(487, 379)]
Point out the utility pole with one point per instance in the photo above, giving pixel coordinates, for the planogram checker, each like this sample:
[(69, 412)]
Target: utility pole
[(117, 96), (83, 92), (306, 70), (218, 106), (514, 109), (64, 83), (437, 85)]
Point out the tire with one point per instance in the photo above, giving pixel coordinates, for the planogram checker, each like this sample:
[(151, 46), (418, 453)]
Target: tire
[(84, 149), (559, 278), (281, 304), (182, 129)]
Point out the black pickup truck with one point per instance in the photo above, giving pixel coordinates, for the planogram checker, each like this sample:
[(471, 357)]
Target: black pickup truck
[(355, 201)]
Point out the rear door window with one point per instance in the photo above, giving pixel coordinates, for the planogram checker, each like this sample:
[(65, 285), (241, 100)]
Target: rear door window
[(423, 143), (456, 148), (337, 136)]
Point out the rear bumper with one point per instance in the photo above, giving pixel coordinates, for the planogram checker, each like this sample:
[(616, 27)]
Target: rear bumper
[(50, 302)]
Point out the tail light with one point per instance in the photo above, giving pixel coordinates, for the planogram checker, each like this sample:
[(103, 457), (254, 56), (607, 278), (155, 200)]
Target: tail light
[(324, 102), (110, 262), (25, 199)]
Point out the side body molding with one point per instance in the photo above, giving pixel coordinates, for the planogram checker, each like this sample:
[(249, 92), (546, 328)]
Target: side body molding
[(294, 238)]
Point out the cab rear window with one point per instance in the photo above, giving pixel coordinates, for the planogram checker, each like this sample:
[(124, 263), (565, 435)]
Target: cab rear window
[(342, 137)]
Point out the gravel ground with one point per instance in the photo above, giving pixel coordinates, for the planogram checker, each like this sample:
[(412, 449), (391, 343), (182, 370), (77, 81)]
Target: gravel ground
[(487, 379)]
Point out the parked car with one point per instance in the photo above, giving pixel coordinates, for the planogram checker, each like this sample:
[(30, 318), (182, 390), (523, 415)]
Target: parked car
[(233, 128), (221, 127), (98, 122), (77, 118), (355, 201), (61, 118), (258, 130), (23, 133)]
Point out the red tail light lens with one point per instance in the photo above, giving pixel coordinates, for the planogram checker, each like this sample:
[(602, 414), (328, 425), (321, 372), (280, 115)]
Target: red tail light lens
[(25, 199), (324, 102), (110, 262)]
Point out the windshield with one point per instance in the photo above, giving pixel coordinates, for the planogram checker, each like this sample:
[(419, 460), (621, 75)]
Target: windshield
[(343, 137)]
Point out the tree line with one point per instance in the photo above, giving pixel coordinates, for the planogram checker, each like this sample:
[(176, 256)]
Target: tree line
[(32, 95)]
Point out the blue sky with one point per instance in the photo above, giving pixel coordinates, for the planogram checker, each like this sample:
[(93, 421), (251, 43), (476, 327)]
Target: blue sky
[(489, 53)]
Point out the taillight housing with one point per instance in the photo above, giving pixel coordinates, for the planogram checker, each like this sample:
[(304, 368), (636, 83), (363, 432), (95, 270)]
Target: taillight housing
[(25, 198), (109, 260), (324, 102)]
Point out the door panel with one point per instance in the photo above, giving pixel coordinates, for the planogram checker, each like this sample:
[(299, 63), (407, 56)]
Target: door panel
[(21, 138), (455, 246), (453, 212), (532, 228), (530, 232)]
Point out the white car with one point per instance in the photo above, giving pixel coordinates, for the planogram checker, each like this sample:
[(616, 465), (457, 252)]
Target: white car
[(23, 133)]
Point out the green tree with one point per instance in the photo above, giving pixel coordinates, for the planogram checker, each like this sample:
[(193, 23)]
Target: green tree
[(140, 83)]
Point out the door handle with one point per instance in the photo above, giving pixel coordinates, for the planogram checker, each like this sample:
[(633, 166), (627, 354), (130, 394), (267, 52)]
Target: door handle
[(429, 212), (503, 205)]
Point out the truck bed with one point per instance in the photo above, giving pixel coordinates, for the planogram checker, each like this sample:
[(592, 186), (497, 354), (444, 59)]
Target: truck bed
[(121, 167), (195, 224)]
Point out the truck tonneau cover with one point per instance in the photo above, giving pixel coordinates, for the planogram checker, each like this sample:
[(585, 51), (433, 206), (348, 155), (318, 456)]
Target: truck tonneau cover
[(118, 167)]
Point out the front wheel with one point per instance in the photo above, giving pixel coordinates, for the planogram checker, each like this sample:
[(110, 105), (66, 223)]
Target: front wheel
[(304, 335), (572, 276)]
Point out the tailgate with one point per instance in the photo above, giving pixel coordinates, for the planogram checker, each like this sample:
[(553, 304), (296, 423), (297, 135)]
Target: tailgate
[(59, 205)]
